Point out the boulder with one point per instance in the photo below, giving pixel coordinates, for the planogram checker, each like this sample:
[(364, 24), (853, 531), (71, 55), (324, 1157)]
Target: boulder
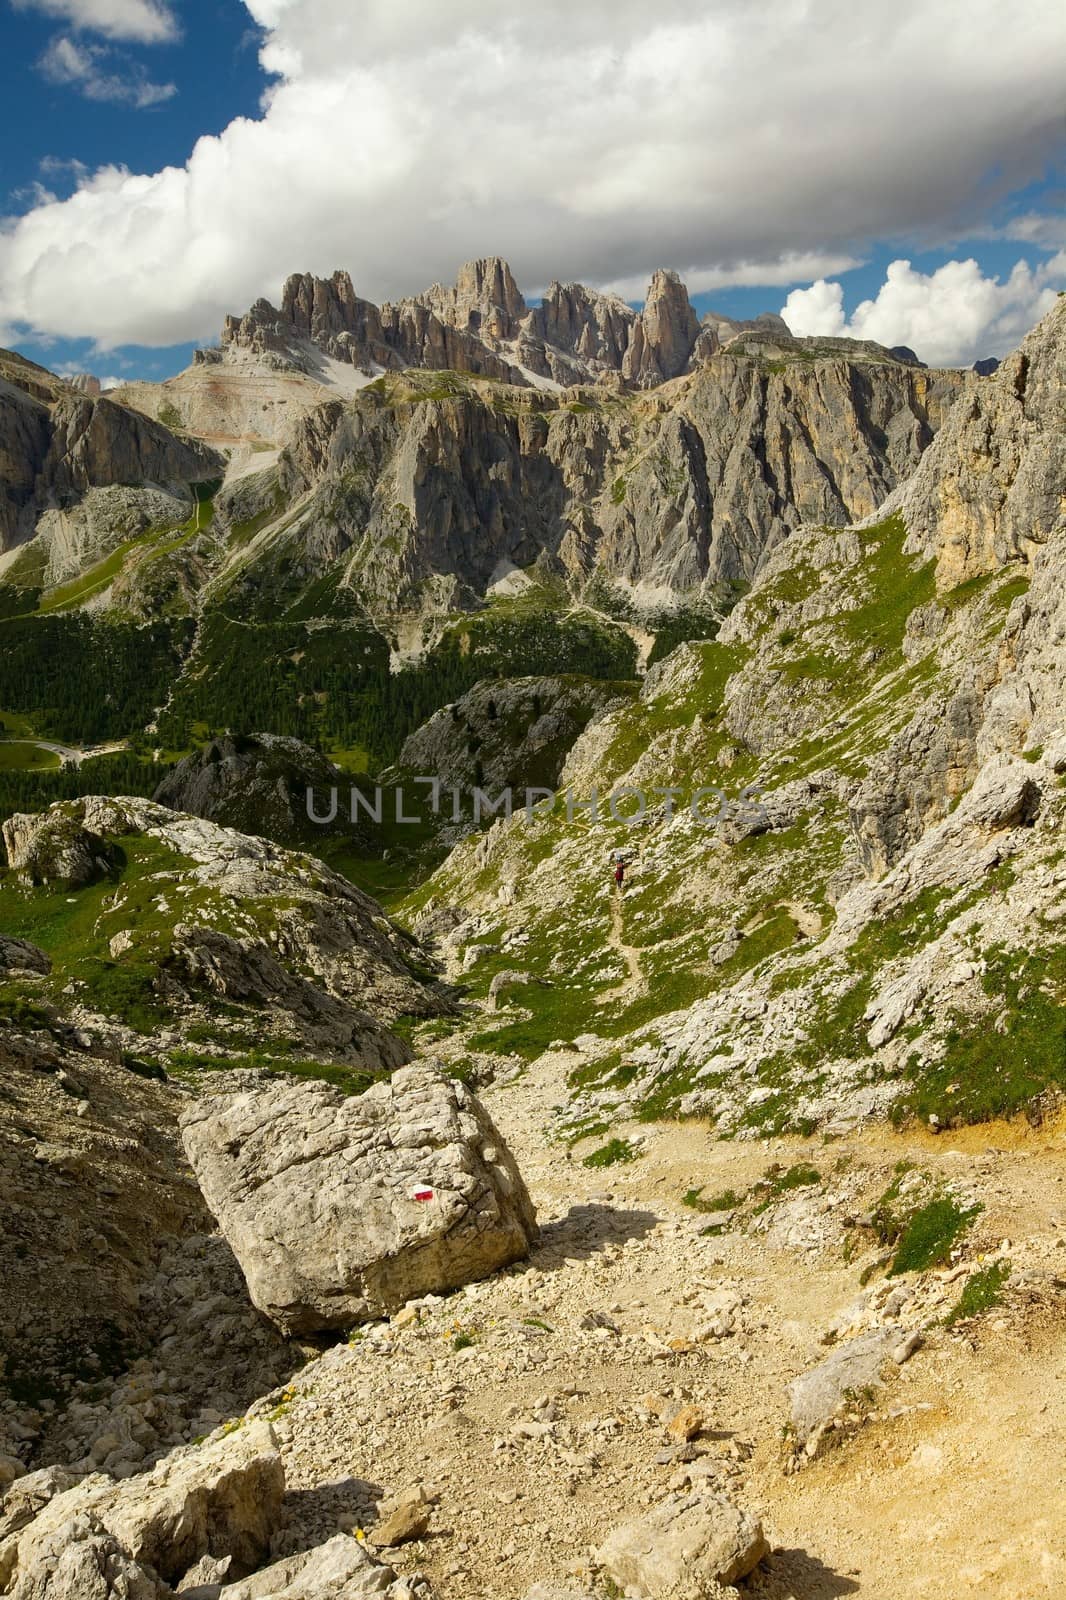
[(256, 783), (81, 1560), (684, 1548), (56, 848), (340, 1208), (1005, 794), (16, 955), (818, 1393), (221, 1499), (342, 1567), (29, 1496)]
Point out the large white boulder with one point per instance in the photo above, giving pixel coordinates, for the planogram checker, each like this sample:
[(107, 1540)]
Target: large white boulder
[(341, 1208)]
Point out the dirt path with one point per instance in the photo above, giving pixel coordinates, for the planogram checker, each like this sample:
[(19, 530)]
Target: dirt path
[(527, 1405), (634, 982)]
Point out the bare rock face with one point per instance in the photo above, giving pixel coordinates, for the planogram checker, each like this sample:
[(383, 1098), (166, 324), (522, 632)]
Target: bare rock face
[(23, 446), (681, 490), (664, 336), (685, 1548), (306, 944), (83, 1561), (328, 314), (993, 489), (485, 300), (55, 848), (56, 444), (257, 784), (91, 1192), (576, 330), (853, 1366), (222, 1499), (17, 955), (97, 442), (514, 733), (341, 1209)]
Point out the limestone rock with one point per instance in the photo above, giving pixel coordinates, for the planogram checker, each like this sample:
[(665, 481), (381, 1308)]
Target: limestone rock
[(341, 1569), (17, 955), (81, 1560), (247, 971), (318, 1193), (29, 1495), (310, 947), (683, 1548), (664, 335), (220, 1499), (993, 489), (55, 847), (256, 784), (855, 1365), (682, 497), (57, 444), (511, 734), (81, 1238)]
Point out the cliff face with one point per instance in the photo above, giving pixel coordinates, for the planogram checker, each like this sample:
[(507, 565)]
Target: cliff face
[(681, 489), (994, 487), (56, 445), (95, 443), (23, 444)]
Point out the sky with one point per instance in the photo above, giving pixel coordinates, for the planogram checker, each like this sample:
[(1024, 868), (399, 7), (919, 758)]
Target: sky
[(891, 169)]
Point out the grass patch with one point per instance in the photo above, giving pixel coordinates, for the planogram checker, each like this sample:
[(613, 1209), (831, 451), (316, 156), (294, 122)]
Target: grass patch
[(778, 1181), (725, 1200), (980, 1293), (21, 755), (921, 1232), (612, 1154), (992, 1071)]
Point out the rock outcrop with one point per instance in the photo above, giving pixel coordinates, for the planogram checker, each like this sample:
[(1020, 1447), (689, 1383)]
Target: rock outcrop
[(223, 1500), (230, 917), (92, 1193), (339, 1209), (257, 784), (483, 325), (995, 489), (686, 1548), (340, 1569), (515, 733), (57, 444), (679, 491)]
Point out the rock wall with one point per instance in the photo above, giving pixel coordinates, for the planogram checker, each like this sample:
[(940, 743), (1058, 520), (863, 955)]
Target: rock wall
[(681, 489)]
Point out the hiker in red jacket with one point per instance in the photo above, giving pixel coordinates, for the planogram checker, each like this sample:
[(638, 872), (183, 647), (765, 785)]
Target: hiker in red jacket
[(619, 873)]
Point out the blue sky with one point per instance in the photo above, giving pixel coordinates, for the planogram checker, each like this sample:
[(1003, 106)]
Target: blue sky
[(214, 67), (402, 137)]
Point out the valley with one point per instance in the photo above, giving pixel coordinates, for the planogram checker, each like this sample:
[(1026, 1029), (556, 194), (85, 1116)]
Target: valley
[(279, 1099)]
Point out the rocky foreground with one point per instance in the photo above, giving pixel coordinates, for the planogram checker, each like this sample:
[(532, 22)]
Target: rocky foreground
[(674, 1393)]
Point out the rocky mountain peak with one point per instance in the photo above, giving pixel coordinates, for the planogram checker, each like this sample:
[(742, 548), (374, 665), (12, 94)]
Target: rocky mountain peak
[(665, 334), (486, 300)]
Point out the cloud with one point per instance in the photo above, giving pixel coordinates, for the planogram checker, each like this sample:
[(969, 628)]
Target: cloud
[(594, 141), (86, 68), (950, 316), (140, 21), (788, 268)]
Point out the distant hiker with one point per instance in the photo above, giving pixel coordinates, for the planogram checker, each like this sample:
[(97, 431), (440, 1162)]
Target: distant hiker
[(619, 873)]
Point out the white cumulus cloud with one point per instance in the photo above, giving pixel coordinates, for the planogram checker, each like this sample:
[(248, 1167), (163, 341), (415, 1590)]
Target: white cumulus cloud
[(94, 71), (596, 141), (950, 317), (140, 21)]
